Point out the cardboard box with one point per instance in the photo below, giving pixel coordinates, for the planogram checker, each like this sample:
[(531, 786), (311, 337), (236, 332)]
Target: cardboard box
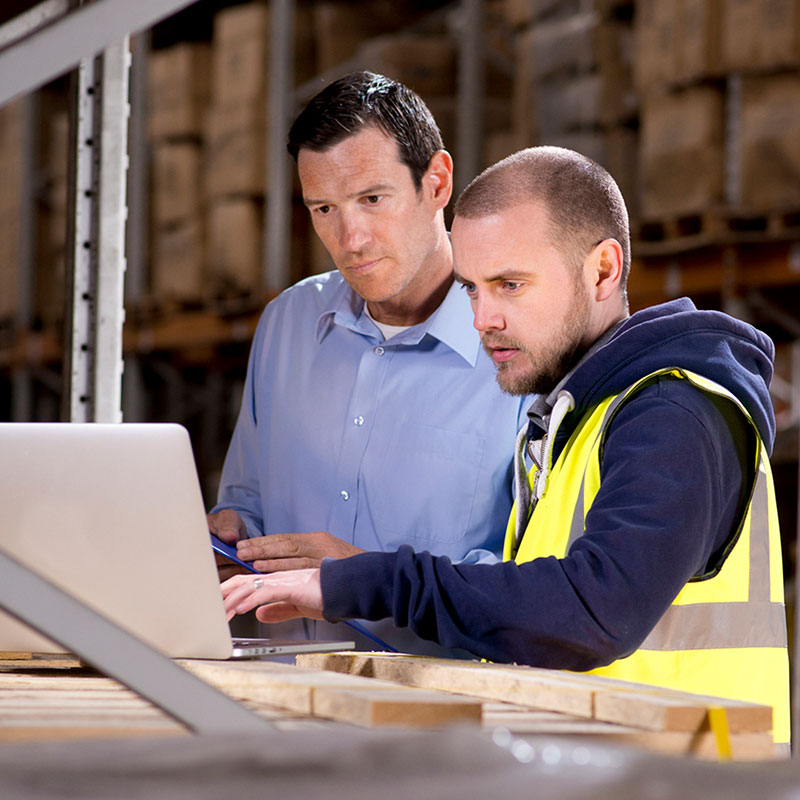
[(522, 13), (179, 90), (578, 44), (340, 28), (770, 142), (424, 63), (597, 99), (699, 40), (681, 152), (240, 47), (760, 34), (241, 52), (177, 182), (235, 151), (178, 263), (235, 255)]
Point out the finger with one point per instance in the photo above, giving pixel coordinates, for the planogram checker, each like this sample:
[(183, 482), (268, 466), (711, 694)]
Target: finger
[(277, 545), (280, 612), (226, 524), (229, 534), (286, 564), (243, 593)]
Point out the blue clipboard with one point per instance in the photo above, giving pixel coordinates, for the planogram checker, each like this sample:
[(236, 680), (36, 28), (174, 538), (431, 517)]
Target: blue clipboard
[(229, 551)]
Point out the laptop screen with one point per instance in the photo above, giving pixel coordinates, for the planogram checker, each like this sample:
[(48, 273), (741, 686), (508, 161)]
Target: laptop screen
[(113, 514)]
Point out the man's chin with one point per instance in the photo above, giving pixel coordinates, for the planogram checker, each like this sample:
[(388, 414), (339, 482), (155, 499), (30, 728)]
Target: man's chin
[(514, 385), (519, 385)]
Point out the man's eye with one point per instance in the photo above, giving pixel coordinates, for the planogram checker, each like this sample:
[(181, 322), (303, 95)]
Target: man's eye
[(322, 209), (469, 288), (373, 199), (512, 286)]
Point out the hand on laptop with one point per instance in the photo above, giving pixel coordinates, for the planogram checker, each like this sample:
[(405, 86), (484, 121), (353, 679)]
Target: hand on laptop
[(293, 551), (277, 597), (229, 526)]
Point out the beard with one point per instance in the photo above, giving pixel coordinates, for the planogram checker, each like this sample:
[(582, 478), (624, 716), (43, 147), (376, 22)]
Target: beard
[(553, 360)]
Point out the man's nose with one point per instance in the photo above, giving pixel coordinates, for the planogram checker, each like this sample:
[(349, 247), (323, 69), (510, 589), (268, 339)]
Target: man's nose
[(487, 314), (353, 234)]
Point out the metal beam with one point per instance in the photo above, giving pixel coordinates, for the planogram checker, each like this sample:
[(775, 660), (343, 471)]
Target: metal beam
[(36, 59), (97, 254), (31, 20), (112, 210), (469, 111), (120, 655), (278, 208)]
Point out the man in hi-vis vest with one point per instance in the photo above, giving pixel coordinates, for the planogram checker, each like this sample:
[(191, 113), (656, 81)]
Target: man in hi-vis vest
[(644, 541)]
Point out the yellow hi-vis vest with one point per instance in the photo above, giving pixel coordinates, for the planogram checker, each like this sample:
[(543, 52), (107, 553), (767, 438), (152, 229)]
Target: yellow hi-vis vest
[(724, 635)]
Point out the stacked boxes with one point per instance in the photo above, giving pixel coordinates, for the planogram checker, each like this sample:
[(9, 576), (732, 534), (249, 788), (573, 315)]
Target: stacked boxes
[(761, 42), (682, 109), (719, 81), (769, 144), (178, 98), (235, 147), (681, 152), (574, 82), (236, 144)]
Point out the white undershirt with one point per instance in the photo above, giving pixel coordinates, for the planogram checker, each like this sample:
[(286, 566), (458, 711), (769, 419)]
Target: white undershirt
[(387, 330)]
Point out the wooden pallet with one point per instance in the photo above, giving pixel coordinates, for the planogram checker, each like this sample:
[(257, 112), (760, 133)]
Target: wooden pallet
[(719, 226), (682, 715), (41, 702)]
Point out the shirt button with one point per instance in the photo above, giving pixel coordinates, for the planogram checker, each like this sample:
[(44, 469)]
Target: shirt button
[(379, 351), (359, 420), (345, 495)]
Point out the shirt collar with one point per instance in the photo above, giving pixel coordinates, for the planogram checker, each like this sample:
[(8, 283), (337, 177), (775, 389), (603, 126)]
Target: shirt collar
[(451, 323)]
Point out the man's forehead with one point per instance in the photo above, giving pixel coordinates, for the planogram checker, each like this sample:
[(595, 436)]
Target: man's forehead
[(353, 166)]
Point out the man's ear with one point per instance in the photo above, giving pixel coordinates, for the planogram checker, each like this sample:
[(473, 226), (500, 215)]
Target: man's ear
[(607, 260), (437, 182)]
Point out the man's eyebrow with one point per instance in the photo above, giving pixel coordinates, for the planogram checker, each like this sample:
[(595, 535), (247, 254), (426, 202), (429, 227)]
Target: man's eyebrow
[(374, 189), (511, 275)]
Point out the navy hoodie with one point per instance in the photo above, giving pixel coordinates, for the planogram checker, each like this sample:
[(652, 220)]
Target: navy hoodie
[(675, 477)]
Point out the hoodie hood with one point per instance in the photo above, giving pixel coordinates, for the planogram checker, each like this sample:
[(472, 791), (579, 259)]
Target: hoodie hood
[(717, 346)]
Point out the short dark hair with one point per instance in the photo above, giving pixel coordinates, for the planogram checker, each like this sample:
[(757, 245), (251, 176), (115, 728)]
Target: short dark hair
[(583, 202), (361, 99)]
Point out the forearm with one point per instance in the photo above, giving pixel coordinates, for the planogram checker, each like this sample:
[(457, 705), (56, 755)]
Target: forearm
[(501, 612)]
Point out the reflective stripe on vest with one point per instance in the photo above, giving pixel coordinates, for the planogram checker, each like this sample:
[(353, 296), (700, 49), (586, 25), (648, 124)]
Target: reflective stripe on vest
[(738, 609)]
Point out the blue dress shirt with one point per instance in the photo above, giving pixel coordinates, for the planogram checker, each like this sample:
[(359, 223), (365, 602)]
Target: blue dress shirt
[(382, 443)]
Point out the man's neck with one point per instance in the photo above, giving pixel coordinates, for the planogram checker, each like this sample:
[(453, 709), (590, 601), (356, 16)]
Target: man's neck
[(416, 306)]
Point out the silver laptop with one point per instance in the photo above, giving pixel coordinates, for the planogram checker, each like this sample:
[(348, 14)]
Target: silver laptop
[(113, 514)]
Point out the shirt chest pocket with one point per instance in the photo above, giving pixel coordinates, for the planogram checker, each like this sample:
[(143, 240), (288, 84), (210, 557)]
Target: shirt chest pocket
[(426, 487)]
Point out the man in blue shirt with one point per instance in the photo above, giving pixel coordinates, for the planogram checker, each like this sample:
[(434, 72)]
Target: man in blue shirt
[(370, 417)]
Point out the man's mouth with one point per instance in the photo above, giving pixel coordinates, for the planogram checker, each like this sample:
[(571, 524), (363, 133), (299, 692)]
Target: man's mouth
[(500, 352), (362, 266)]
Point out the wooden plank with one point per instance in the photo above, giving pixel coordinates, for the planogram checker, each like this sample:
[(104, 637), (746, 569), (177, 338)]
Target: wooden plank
[(662, 710), (587, 696), (542, 689), (348, 698), (38, 661), (397, 707), (263, 682)]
